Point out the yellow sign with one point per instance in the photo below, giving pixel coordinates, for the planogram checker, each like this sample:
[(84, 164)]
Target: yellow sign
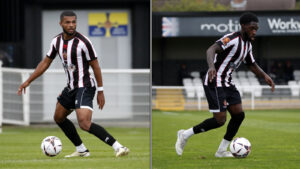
[(108, 24)]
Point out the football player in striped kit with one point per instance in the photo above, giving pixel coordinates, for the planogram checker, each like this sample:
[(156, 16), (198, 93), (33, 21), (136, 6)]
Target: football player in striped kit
[(224, 57), (77, 54)]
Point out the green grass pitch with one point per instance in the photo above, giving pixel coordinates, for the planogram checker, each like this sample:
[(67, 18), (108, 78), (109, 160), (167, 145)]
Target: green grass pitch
[(274, 135), (20, 149)]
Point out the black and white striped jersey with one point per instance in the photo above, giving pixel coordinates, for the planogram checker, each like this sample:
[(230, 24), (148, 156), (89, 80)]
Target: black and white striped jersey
[(235, 51), (75, 55)]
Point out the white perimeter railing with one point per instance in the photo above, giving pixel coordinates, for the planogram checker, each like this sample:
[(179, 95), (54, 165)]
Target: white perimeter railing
[(253, 97), (127, 95)]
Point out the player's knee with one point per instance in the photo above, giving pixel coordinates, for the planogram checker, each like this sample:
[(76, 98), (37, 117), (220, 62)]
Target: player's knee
[(221, 120), (58, 119), (84, 125), (239, 117)]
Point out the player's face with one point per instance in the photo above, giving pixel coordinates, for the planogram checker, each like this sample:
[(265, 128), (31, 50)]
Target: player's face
[(251, 29), (68, 23)]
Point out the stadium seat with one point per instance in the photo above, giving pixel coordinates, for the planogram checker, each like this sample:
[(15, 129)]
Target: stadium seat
[(195, 74), (199, 91), (244, 81), (257, 90), (297, 78), (297, 72), (241, 74), (239, 88), (297, 75), (189, 87), (253, 81), (187, 81), (237, 82), (250, 74), (294, 87), (235, 79), (198, 87), (234, 74), (292, 82), (197, 81)]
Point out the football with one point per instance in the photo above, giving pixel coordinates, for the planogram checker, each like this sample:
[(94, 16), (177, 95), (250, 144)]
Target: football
[(240, 147), (51, 146)]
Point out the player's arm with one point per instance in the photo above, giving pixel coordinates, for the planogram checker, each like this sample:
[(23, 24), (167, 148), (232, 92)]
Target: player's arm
[(210, 55), (98, 75), (40, 69), (260, 73)]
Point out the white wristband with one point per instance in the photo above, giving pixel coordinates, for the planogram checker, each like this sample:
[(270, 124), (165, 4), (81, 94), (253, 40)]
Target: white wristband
[(100, 88)]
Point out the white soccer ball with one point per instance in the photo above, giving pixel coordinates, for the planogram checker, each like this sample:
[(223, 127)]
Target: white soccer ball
[(51, 146), (240, 147)]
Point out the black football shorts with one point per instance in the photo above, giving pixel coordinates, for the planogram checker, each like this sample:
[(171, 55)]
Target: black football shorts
[(77, 98), (219, 98)]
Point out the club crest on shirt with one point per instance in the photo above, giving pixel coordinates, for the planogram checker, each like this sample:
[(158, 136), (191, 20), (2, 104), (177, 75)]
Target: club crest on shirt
[(69, 67), (225, 41)]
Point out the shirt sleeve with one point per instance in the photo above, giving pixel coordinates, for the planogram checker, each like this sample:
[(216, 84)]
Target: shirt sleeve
[(249, 58), (52, 51), (89, 50)]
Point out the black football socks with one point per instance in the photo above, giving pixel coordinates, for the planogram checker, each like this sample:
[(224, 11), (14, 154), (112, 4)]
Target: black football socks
[(234, 125), (102, 134), (206, 125), (70, 131)]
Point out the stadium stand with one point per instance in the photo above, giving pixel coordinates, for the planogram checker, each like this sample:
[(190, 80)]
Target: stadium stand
[(255, 94)]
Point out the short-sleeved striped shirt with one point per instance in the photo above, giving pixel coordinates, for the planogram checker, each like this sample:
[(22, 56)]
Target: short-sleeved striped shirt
[(75, 55), (235, 51)]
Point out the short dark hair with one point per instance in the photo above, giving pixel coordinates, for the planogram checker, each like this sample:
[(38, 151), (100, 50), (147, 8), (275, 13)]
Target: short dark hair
[(248, 17), (67, 13)]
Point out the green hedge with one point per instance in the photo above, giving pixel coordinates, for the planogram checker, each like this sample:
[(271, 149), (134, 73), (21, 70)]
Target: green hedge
[(189, 6)]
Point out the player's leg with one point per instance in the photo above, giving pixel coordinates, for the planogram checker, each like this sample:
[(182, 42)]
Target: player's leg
[(217, 105), (84, 116), (64, 106), (237, 116), (60, 117), (218, 120), (84, 110)]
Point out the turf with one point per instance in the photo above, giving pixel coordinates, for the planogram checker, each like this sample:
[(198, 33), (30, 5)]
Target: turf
[(274, 135), (20, 149)]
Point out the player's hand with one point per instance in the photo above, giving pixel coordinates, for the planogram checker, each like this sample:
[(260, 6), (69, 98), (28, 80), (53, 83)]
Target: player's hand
[(211, 74), (270, 82), (23, 87), (100, 99)]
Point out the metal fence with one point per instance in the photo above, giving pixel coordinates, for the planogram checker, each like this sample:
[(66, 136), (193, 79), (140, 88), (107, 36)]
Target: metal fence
[(127, 95)]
